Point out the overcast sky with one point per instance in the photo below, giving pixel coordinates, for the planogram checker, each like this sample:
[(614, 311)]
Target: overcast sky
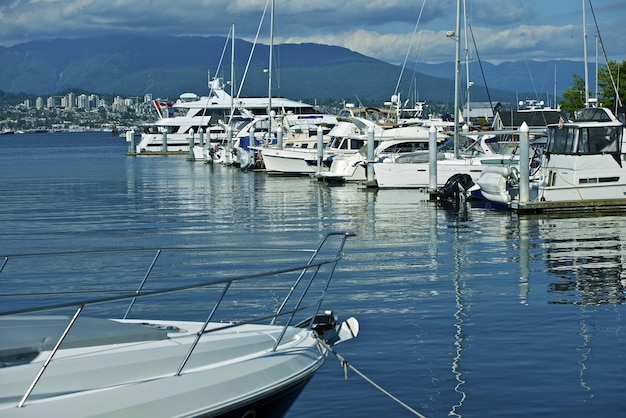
[(389, 30)]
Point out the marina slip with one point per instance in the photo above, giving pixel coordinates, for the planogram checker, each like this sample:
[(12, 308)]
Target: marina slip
[(462, 311)]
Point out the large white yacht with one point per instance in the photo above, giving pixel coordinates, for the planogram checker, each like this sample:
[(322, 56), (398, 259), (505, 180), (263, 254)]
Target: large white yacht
[(180, 122), (582, 168)]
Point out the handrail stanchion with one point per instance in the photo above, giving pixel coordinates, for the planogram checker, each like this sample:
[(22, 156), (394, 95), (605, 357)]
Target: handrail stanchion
[(201, 331), (4, 263), (49, 359), (145, 278)]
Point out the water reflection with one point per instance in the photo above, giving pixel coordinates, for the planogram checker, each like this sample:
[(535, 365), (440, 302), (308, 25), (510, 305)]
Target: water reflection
[(586, 256)]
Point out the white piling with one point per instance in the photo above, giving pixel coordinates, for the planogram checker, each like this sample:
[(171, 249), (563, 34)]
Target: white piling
[(164, 141), (192, 142), (251, 137), (320, 148), (432, 159), (229, 146), (524, 164), (370, 155), (279, 138), (130, 138), (251, 143), (204, 145)]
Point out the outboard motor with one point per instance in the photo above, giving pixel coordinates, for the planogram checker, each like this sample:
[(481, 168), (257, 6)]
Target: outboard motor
[(328, 328), (456, 186)]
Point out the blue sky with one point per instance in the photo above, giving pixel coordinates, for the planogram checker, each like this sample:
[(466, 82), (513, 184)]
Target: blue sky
[(390, 30)]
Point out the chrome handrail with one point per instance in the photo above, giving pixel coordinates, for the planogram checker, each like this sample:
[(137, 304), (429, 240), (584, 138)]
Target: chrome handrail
[(312, 267)]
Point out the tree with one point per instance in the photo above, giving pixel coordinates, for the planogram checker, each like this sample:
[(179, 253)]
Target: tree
[(574, 97), (606, 91)]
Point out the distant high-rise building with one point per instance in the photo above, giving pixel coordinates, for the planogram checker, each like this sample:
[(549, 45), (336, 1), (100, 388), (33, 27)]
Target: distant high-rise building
[(70, 100), (39, 103), (118, 105), (94, 101), (147, 98), (50, 103), (82, 102)]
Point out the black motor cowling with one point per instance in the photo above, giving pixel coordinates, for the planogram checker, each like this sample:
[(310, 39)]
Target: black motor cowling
[(456, 186)]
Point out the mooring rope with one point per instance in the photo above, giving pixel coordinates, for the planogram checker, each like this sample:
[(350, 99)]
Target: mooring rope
[(346, 365)]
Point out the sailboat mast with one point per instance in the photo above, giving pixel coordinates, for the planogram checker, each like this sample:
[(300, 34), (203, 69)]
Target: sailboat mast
[(232, 73), (596, 88), (457, 77), (585, 53), (269, 71), (467, 65)]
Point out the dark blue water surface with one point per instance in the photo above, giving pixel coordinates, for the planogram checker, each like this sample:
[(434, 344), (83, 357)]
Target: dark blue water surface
[(463, 311)]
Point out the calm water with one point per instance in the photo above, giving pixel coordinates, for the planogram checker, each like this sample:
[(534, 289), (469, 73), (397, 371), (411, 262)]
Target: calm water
[(463, 312)]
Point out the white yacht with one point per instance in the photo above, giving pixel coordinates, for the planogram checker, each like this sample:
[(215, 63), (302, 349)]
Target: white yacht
[(582, 168), (344, 137), (345, 140), (411, 170), (352, 167), (55, 361), (181, 122)]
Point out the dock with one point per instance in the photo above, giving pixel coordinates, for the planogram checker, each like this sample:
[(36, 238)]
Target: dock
[(571, 206), (156, 153)]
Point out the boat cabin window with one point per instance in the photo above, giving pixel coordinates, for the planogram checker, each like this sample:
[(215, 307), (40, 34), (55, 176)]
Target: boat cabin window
[(407, 147), (602, 140), (584, 140), (561, 141), (345, 143), (495, 145), (356, 143)]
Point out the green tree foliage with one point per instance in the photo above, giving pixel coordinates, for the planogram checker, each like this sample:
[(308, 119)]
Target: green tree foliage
[(606, 88), (574, 96)]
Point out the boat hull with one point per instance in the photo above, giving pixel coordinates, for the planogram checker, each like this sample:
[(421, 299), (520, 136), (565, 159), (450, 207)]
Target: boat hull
[(299, 161), (229, 374), (416, 175)]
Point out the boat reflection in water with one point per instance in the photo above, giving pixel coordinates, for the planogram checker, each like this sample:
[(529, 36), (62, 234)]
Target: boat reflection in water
[(586, 255)]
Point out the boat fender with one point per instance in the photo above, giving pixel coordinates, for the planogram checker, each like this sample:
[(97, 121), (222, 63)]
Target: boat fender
[(243, 157)]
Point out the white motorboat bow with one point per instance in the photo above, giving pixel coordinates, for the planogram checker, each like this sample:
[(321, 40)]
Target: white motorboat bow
[(255, 364)]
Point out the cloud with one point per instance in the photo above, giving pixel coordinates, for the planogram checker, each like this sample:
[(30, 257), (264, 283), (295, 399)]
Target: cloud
[(383, 29)]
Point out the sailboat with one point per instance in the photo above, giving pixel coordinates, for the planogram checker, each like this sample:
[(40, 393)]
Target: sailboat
[(206, 119), (453, 158)]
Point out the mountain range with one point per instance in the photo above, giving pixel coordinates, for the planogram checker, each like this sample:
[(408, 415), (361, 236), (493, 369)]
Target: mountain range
[(167, 66)]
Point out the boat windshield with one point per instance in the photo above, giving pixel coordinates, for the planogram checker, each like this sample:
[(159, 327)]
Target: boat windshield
[(584, 139), (466, 144), (238, 123), (345, 143)]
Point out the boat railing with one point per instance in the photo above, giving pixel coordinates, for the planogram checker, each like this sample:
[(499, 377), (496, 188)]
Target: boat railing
[(302, 276)]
